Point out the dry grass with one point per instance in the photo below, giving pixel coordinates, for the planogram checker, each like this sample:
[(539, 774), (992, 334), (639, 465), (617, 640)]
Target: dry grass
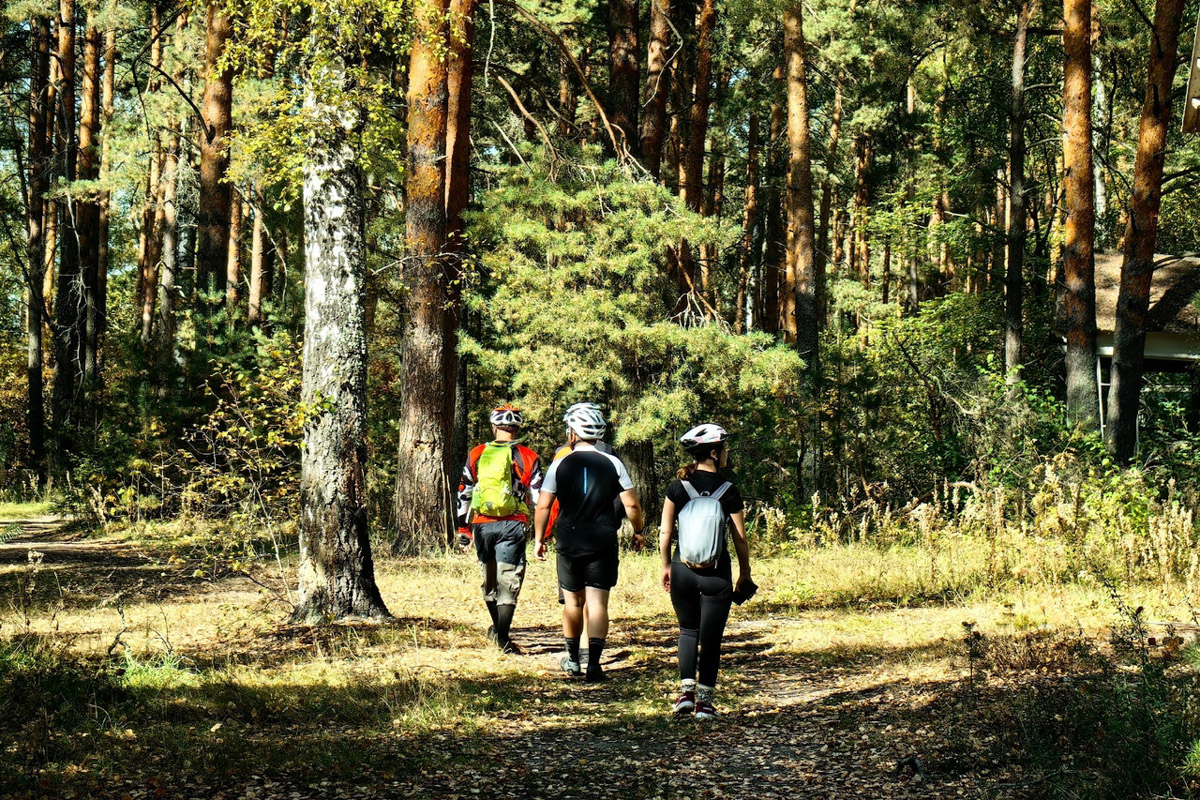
[(148, 649)]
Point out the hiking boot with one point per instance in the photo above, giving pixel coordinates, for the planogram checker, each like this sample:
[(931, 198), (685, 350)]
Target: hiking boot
[(491, 634), (595, 674), (706, 710), (686, 703), (570, 667), (510, 647)]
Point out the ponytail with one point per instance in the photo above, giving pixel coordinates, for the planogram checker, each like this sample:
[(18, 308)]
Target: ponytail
[(687, 471), (700, 455)]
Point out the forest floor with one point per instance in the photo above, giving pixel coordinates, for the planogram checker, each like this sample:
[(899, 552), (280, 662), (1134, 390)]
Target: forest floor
[(140, 670)]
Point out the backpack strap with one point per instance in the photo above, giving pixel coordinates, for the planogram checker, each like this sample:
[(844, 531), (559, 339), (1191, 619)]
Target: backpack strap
[(691, 490), (722, 489)]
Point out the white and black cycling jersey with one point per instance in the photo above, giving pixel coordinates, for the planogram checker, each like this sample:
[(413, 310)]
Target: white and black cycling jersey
[(587, 483)]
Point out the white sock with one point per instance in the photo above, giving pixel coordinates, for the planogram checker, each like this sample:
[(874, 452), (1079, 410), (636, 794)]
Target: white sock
[(688, 685), (704, 694)]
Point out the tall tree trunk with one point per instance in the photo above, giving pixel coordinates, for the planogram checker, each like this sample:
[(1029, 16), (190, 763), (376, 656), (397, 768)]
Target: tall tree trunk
[(623, 55), (233, 257), (337, 574), (714, 196), (749, 220), (861, 254), (169, 227), (1079, 293), (39, 186), (88, 166), (775, 250), (423, 500), (262, 257), (568, 98), (693, 170), (1014, 277), (68, 295), (1141, 233), (657, 85), (216, 196), (804, 284), (831, 159), (107, 90)]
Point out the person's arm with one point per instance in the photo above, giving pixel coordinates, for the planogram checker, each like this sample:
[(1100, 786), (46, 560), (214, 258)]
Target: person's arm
[(466, 488), (741, 546), (666, 533), (633, 511), (540, 517)]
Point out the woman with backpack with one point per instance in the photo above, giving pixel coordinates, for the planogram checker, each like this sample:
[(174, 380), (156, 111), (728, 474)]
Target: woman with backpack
[(700, 505)]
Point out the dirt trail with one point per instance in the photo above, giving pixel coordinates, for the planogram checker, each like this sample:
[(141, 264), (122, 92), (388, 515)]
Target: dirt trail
[(797, 725)]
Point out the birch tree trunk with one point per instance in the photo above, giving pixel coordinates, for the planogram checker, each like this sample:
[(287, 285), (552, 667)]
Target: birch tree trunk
[(337, 574), (1079, 292), (1141, 234)]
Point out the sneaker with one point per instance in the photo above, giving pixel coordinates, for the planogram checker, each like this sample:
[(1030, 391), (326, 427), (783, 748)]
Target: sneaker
[(705, 710), (570, 667), (686, 703), (595, 674)]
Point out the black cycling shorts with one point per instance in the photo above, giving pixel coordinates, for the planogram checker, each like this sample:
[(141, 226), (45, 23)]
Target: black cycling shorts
[(598, 570)]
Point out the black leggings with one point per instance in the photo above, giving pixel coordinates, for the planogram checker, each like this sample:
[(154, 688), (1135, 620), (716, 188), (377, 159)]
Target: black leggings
[(702, 606)]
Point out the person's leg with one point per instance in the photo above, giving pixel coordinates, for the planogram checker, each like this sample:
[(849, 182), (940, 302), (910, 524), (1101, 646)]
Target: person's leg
[(685, 597), (601, 576), (510, 567), (573, 598), (487, 565), (715, 600)]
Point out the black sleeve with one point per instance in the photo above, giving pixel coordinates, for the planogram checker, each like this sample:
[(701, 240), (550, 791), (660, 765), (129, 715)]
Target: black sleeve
[(732, 500), (677, 494)]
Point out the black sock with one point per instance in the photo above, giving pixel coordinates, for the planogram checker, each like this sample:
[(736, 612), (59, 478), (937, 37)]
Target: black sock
[(595, 648), (573, 649), (504, 616), (491, 606)]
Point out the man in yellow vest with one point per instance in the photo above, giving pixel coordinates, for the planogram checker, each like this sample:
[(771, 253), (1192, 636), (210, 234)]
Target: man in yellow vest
[(500, 484)]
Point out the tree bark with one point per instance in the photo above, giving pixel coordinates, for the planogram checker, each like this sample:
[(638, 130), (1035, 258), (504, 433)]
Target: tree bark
[(803, 282), (1014, 277), (216, 196), (822, 254), (39, 186), (337, 574), (657, 85), (623, 55), (233, 256), (68, 295), (693, 186), (1079, 292), (262, 258), (107, 90), (88, 210), (861, 254), (424, 513), (1141, 234), (775, 250), (714, 197), (749, 220)]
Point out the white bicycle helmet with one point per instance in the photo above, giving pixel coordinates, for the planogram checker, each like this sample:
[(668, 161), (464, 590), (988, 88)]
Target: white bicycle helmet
[(586, 420), (704, 435), (507, 416)]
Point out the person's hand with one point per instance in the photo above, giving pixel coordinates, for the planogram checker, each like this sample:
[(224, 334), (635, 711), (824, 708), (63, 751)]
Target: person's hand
[(463, 540), (666, 579), (539, 549), (742, 578), (639, 541)]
